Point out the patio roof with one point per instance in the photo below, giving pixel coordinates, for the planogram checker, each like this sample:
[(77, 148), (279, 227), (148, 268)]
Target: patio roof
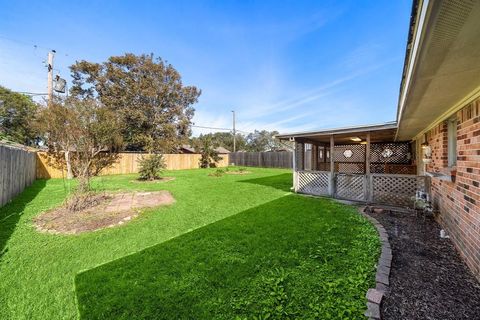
[(378, 133)]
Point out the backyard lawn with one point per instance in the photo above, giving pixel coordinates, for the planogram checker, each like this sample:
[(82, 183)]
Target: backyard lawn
[(230, 247)]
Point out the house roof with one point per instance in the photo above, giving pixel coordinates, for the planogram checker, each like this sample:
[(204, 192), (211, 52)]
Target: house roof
[(442, 65), (441, 71)]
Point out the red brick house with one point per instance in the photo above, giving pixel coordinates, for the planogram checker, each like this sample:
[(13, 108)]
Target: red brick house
[(434, 144)]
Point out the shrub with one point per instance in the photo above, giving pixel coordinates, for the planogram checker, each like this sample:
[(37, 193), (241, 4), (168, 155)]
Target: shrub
[(218, 173), (151, 167)]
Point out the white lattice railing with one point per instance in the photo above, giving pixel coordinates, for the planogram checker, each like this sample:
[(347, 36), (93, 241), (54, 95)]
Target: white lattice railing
[(389, 189), (313, 182), (351, 186), (395, 189)]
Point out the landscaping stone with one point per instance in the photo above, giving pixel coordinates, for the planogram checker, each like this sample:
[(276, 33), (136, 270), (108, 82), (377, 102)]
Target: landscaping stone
[(374, 296), (373, 311)]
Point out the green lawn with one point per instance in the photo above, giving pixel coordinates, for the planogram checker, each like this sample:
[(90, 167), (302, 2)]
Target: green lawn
[(231, 246)]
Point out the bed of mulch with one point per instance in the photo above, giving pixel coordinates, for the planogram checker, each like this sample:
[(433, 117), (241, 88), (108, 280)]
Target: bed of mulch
[(112, 210), (240, 172), (162, 179), (428, 279)]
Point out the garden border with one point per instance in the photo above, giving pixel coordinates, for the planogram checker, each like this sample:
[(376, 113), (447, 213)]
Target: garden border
[(374, 295)]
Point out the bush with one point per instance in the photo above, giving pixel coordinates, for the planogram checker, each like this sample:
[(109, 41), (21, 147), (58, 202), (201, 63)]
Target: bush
[(151, 167)]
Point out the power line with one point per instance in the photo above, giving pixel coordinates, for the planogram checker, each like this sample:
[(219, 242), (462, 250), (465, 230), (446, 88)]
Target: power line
[(221, 129)]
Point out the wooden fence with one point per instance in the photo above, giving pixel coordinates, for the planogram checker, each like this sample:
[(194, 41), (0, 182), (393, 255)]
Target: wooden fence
[(127, 163), (280, 159), (17, 171)]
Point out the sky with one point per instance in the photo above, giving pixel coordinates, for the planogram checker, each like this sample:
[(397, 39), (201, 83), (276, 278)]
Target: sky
[(281, 65)]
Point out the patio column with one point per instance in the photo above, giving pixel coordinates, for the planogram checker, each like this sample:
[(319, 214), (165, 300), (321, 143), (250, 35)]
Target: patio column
[(368, 178), (367, 155), (314, 156), (332, 167)]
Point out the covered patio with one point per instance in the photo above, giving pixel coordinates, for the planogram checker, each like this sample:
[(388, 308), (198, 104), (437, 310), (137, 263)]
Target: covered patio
[(362, 164)]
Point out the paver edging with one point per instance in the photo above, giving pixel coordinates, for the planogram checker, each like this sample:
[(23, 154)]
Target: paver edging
[(375, 295)]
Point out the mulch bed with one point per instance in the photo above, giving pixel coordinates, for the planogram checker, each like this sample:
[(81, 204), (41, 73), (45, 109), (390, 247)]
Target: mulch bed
[(114, 209), (162, 179), (428, 279)]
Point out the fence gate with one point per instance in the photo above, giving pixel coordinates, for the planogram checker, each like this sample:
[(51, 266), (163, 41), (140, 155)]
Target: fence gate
[(351, 186)]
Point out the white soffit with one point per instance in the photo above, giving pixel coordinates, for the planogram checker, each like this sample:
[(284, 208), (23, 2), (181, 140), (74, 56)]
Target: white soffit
[(447, 66)]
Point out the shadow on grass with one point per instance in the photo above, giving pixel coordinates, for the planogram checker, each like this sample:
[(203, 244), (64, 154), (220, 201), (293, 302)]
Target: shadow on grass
[(254, 263), (11, 212), (281, 181)]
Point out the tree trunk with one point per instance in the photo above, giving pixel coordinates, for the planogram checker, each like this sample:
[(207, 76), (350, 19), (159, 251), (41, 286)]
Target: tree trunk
[(69, 165)]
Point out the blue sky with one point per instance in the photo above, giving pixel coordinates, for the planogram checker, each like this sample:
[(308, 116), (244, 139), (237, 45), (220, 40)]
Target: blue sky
[(284, 65)]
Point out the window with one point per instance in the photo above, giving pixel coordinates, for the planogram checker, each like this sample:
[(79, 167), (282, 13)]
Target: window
[(452, 142)]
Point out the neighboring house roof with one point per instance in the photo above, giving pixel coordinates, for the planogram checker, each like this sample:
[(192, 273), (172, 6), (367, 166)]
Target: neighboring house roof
[(186, 148), (222, 150)]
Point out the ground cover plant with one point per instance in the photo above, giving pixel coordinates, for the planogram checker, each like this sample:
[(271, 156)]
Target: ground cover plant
[(240, 239)]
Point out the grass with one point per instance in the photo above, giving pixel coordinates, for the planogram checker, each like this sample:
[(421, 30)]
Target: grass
[(231, 246)]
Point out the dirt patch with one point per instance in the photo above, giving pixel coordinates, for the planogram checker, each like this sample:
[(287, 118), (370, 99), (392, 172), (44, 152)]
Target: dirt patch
[(115, 209), (428, 279), (163, 179)]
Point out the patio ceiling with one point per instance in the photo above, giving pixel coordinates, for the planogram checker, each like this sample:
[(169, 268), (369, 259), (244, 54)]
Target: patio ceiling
[(442, 68), (378, 133)]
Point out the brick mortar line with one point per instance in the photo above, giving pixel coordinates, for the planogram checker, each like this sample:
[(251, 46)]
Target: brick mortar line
[(374, 295)]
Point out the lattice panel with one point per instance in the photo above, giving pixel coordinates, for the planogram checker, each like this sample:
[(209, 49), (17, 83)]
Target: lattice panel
[(351, 187), (400, 152), (299, 155), (315, 183), (350, 167), (358, 153), (396, 190)]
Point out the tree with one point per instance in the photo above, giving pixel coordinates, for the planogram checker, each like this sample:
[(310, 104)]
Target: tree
[(154, 106), (225, 139), (151, 167), (83, 134), (205, 145), (17, 113), (260, 141)]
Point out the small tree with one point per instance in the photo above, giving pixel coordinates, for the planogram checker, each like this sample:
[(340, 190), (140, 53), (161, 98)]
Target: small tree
[(84, 130), (206, 146), (151, 167)]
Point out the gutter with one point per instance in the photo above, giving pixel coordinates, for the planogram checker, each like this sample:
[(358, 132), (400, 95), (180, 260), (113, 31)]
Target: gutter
[(417, 23)]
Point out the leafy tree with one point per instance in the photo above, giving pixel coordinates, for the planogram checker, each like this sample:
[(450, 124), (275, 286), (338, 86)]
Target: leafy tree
[(225, 139), (83, 135), (154, 106), (263, 140), (151, 167), (205, 145), (17, 113)]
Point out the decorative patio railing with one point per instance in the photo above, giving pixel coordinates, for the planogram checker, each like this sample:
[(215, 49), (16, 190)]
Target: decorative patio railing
[(388, 189)]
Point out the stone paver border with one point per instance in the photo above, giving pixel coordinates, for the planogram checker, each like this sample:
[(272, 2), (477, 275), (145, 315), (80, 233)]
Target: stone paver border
[(375, 295)]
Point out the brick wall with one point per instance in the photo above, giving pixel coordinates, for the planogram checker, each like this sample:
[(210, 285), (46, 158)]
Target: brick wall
[(458, 202)]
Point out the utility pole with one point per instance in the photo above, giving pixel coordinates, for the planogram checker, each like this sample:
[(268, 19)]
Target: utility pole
[(234, 133), (50, 76)]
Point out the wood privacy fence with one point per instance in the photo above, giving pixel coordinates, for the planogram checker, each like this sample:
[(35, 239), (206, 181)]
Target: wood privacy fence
[(280, 159), (127, 163), (17, 171)]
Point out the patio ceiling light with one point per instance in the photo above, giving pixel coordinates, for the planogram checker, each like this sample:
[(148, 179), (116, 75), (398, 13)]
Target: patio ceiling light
[(356, 139), (363, 142)]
